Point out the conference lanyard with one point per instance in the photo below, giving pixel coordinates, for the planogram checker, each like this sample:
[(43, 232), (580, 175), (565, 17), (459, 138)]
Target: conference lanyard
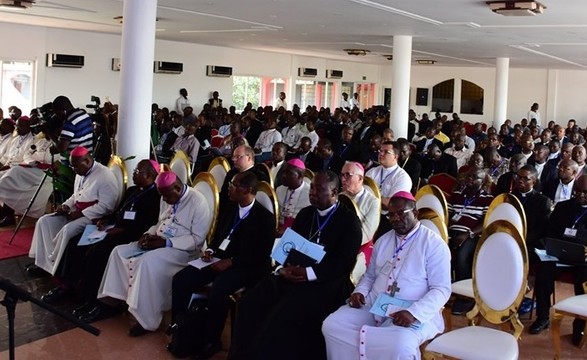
[(237, 221), (382, 178), (579, 218), (174, 207), (321, 226), (136, 198)]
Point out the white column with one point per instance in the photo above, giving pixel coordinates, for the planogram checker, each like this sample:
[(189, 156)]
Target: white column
[(500, 109), (400, 85), (136, 80)]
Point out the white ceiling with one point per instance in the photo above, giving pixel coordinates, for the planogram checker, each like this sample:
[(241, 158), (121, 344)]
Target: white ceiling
[(453, 32)]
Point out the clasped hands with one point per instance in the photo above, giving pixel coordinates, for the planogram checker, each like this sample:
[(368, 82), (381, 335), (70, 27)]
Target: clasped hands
[(150, 242), (218, 266), (400, 318), (293, 273), (71, 215)]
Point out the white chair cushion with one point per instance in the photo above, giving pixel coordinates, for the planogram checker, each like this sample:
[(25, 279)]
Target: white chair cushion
[(430, 225), (464, 288), (507, 212), (499, 271), (206, 190), (574, 304), (265, 200), (181, 170), (219, 173), (432, 202), (476, 343)]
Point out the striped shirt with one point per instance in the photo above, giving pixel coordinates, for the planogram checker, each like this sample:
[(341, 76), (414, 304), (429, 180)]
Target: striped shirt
[(78, 129), (466, 213)]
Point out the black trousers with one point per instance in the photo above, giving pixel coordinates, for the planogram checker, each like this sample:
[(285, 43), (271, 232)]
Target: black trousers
[(462, 256), (191, 279), (544, 286)]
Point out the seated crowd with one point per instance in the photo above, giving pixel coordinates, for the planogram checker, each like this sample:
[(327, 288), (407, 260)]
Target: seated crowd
[(373, 252)]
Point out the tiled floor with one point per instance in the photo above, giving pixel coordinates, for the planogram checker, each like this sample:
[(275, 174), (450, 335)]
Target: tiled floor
[(43, 335)]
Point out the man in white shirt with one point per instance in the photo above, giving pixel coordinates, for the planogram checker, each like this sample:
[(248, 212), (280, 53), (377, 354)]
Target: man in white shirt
[(355, 103), (6, 134), (182, 101), (18, 146), (188, 143), (344, 103), (459, 151), (280, 102), (293, 195), (351, 178), (266, 141), (534, 114), (396, 305), (291, 134)]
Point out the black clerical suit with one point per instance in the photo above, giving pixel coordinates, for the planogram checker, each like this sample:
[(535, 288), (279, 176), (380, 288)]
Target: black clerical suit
[(86, 264), (250, 244), (537, 208), (224, 200), (282, 320), (413, 168), (564, 216)]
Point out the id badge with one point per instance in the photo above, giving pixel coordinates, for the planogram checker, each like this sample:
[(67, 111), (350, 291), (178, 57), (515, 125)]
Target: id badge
[(386, 269), (129, 215), (570, 232), (169, 231), (224, 244), (456, 218)]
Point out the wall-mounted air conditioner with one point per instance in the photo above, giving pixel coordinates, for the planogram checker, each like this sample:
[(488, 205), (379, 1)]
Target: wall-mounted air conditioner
[(307, 72), (165, 67), (115, 64), (61, 60), (218, 71), (334, 74)]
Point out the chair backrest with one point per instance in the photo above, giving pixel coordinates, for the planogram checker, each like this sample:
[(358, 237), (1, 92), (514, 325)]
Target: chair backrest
[(262, 167), (349, 203), (431, 197), (266, 196), (218, 168), (308, 176), (500, 271), (118, 168), (181, 166), (507, 207), (371, 186), (444, 181), (430, 219), (206, 185), (216, 141)]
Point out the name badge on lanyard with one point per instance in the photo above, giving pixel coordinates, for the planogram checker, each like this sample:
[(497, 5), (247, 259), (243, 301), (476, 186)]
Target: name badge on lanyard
[(129, 215), (224, 244), (169, 231), (570, 232)]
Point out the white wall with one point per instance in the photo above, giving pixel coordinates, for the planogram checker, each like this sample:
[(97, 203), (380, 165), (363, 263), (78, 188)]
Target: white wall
[(560, 93)]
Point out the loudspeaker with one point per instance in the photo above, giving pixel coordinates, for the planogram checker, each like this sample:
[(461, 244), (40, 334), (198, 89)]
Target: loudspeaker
[(422, 97)]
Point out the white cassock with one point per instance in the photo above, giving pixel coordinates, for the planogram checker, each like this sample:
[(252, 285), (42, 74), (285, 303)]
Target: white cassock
[(390, 180), (16, 150), (96, 193), (144, 281), (423, 277), (19, 183), (291, 201), (369, 214)]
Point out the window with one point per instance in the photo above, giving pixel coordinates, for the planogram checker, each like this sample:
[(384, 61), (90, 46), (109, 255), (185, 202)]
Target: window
[(443, 96), (246, 89), (17, 83), (366, 95), (319, 93), (471, 98)]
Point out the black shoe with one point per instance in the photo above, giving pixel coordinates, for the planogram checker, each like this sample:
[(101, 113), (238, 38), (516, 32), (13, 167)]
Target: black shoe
[(86, 307), (208, 351), (137, 331), (95, 313), (578, 331), (539, 325), (7, 221), (55, 295), (462, 306), (34, 270), (526, 306)]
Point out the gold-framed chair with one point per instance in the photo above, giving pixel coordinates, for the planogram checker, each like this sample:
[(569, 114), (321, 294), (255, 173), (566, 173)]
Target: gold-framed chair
[(204, 182), (444, 182), (308, 176), (118, 168), (266, 196), (507, 207), (219, 167), (430, 219), (360, 265), (432, 197), (575, 306), (348, 202), (371, 185), (264, 168), (181, 166), (500, 271)]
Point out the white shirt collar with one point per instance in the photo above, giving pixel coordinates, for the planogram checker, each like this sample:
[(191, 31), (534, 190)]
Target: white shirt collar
[(242, 211), (326, 211)]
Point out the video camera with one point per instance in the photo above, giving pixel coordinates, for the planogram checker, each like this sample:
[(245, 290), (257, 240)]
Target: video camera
[(95, 105)]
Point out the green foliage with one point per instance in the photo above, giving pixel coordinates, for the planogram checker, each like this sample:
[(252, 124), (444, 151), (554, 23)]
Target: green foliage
[(62, 177), (246, 89)]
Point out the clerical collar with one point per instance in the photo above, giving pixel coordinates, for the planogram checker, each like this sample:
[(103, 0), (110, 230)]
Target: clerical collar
[(325, 211), (359, 194), (524, 194), (242, 211), (279, 163), (296, 189), (250, 167), (388, 169), (90, 169)]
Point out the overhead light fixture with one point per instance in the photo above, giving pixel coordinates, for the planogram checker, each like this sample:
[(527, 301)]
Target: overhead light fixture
[(357, 52), (425, 62), (120, 18), (388, 57), (17, 4), (516, 8)]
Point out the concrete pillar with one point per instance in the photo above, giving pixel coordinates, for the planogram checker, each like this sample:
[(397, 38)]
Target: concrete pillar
[(400, 85), (500, 109), (136, 80)]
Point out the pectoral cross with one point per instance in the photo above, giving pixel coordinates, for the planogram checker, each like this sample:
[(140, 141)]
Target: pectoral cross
[(393, 288)]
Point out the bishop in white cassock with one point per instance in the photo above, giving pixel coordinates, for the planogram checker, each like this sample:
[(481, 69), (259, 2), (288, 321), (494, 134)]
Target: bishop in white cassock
[(95, 195), (411, 264), (140, 273)]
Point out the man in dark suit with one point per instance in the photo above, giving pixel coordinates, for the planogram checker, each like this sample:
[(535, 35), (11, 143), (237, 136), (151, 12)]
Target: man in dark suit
[(507, 182), (567, 222), (422, 145), (242, 242), (166, 140), (324, 158), (560, 188), (365, 132), (437, 162), (545, 169), (282, 316)]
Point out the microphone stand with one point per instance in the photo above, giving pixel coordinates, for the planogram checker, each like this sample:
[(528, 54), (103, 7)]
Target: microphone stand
[(14, 293)]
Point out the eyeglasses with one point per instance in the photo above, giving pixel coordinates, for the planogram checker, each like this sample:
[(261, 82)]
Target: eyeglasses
[(238, 157), (385, 152), (138, 171), (347, 175), (399, 213), (232, 183), (525, 178), (577, 192)]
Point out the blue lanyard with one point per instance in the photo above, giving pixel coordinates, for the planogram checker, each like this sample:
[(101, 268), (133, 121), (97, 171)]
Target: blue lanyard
[(467, 203), (579, 218), (174, 207), (136, 197), (565, 190), (286, 202), (83, 179), (383, 179), (237, 222), (321, 226), (400, 245)]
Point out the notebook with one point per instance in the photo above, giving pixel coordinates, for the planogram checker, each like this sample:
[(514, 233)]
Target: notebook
[(566, 251)]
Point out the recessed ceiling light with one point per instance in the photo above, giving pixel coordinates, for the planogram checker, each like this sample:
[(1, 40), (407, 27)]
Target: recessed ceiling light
[(426, 62), (357, 52)]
